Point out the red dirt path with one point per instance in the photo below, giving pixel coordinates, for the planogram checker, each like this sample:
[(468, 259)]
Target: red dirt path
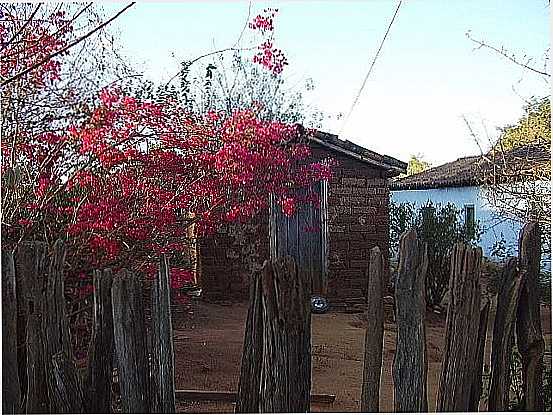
[(208, 347)]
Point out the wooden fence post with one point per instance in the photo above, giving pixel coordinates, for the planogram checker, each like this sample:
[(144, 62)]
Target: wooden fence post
[(67, 396), (31, 264), (410, 363), (462, 325), (372, 366), (503, 331), (476, 387), (11, 392), (286, 369), (530, 341), (130, 342), (252, 354), (99, 373), (38, 400), (163, 358), (64, 389)]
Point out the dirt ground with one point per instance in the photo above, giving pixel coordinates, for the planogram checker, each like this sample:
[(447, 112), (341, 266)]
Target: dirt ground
[(208, 347)]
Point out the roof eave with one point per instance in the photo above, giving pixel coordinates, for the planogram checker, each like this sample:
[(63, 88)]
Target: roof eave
[(396, 168)]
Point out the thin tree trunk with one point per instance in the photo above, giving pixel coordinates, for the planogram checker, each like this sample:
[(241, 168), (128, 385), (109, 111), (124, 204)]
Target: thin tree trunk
[(503, 332), (461, 337), (286, 369), (372, 366), (410, 363), (529, 333)]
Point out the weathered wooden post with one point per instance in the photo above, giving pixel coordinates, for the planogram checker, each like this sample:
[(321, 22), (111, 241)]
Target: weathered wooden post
[(503, 331), (130, 342), (32, 273), (410, 363), (372, 367), (249, 385), (64, 389), (37, 400), (99, 374), (476, 387), (31, 264), (286, 368), (530, 341), (163, 357), (66, 386), (459, 361), (11, 392)]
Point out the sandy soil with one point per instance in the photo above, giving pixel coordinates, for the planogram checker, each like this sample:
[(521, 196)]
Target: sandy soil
[(208, 346)]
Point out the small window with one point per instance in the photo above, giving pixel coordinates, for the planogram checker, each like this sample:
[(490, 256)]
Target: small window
[(470, 222), (469, 216)]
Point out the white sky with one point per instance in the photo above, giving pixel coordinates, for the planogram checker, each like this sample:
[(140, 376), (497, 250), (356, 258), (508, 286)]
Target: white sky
[(427, 77)]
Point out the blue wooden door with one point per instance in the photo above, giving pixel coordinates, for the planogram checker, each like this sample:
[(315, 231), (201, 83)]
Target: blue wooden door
[(303, 236)]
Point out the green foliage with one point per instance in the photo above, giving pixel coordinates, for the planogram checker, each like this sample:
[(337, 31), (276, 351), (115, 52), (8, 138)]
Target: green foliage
[(417, 164), (533, 128), (402, 217), (440, 227)]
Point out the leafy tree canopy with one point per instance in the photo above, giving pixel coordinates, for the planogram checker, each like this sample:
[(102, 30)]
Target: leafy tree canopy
[(534, 127), (417, 164)]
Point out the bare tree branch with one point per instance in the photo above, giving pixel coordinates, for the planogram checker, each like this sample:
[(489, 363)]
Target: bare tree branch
[(503, 52), (5, 45), (66, 48)]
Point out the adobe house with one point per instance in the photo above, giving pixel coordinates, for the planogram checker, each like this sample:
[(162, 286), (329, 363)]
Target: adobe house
[(352, 219)]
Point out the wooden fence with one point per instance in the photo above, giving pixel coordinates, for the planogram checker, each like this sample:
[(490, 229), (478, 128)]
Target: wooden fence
[(460, 386), (39, 371)]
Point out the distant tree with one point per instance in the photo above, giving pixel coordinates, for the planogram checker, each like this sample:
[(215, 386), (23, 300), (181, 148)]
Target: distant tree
[(534, 127), (519, 187), (416, 164)]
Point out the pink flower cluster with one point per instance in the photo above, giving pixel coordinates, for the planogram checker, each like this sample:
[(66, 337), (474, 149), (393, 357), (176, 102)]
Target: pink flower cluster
[(271, 58), (268, 56), (264, 22)]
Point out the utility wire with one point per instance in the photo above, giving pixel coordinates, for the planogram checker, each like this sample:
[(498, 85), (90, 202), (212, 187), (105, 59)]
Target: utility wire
[(370, 68)]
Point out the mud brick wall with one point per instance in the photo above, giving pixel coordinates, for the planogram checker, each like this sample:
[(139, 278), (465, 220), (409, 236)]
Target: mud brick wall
[(358, 220), (228, 258)]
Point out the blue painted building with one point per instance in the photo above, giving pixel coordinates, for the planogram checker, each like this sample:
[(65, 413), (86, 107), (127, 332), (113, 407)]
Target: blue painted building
[(464, 183), (471, 202)]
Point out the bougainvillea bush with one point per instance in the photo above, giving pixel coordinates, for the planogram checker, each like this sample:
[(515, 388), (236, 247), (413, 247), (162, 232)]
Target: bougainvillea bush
[(123, 184)]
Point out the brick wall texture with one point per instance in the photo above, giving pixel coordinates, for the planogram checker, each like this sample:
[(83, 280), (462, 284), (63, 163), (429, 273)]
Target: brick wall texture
[(358, 220)]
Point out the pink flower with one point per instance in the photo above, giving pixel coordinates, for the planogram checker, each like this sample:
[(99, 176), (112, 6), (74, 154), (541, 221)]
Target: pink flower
[(25, 222), (288, 205)]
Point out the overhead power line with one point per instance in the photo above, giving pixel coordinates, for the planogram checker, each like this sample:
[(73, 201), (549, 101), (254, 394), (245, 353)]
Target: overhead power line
[(371, 67)]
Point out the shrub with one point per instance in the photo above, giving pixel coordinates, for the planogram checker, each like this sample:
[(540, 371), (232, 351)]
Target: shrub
[(440, 227)]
